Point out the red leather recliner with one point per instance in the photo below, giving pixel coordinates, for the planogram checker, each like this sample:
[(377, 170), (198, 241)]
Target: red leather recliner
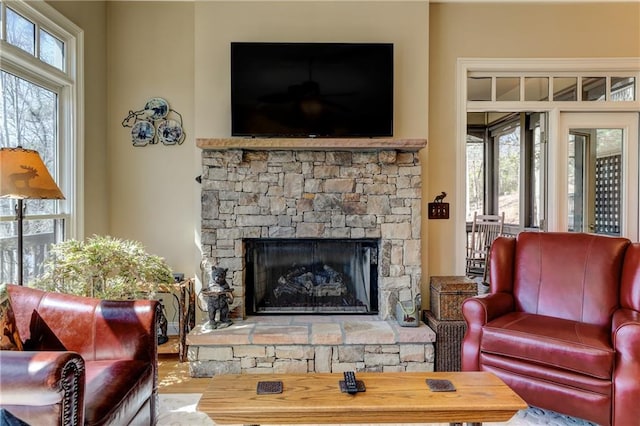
[(561, 324), (86, 361)]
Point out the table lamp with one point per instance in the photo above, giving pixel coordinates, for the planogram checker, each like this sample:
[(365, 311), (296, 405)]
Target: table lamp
[(23, 175)]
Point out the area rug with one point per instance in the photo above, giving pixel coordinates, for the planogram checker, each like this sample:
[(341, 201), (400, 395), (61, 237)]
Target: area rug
[(180, 409)]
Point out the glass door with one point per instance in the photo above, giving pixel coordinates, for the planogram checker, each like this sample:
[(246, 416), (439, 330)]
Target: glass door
[(595, 181), (602, 173)]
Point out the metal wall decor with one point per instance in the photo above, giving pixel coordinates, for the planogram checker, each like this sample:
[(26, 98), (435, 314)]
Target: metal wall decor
[(152, 124)]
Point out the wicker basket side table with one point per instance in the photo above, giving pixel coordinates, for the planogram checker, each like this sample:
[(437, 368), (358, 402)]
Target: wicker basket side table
[(448, 345)]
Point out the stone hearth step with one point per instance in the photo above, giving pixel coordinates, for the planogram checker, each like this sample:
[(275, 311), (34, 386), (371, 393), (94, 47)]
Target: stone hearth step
[(300, 343)]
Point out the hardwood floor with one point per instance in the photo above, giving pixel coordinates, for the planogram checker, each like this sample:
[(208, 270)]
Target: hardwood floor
[(173, 376)]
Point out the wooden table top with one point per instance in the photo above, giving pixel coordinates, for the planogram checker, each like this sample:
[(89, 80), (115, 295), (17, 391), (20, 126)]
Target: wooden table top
[(389, 398)]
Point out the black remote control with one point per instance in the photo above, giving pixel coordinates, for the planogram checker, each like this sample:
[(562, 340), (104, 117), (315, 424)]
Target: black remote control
[(350, 382)]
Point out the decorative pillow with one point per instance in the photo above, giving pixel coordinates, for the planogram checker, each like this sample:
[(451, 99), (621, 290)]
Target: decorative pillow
[(9, 337)]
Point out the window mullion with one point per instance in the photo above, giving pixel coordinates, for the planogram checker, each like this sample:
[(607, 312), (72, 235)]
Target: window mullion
[(37, 41), (493, 88), (3, 24), (579, 89), (526, 181), (493, 170)]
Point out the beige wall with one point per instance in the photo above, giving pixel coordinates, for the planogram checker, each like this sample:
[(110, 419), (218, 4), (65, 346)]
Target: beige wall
[(132, 53), (179, 51), (150, 54), (402, 23), (494, 30), (91, 17)]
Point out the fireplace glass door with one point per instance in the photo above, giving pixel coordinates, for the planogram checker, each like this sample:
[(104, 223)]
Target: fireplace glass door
[(312, 276)]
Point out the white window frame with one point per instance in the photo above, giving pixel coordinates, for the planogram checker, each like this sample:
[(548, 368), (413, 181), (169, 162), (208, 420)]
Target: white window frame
[(69, 85), (591, 67)]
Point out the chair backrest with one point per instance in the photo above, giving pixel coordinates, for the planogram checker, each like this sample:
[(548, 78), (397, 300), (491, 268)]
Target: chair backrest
[(568, 275), (96, 329), (484, 229)]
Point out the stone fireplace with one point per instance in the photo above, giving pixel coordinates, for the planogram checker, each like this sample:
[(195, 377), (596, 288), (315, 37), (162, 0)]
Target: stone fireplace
[(348, 212), (307, 193)]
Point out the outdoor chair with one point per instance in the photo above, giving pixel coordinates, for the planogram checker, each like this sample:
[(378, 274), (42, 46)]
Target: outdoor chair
[(484, 229)]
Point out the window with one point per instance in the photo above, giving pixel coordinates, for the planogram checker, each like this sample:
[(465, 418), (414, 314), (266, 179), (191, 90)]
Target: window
[(550, 98), (475, 172), (504, 164), (507, 166), (565, 87), (39, 104)]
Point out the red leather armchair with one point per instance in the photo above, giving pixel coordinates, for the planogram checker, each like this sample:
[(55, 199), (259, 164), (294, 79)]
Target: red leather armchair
[(561, 324), (86, 361)]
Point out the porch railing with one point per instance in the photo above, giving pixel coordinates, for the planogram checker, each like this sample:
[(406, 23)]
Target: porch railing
[(35, 250)]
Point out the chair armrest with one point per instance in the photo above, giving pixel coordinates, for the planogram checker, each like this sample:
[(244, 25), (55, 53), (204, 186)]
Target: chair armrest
[(626, 344), (484, 308), (623, 318), (478, 311), (44, 379)]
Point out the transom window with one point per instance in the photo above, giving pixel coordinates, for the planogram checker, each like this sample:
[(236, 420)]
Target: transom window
[(557, 88), (29, 36)]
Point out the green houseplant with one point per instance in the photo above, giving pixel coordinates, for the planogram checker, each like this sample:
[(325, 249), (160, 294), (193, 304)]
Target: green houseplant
[(104, 267)]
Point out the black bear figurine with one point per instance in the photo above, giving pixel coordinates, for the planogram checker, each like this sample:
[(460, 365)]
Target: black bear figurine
[(219, 296)]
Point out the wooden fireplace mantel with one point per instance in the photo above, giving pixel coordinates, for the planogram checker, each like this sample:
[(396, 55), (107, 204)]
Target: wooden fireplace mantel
[(350, 144)]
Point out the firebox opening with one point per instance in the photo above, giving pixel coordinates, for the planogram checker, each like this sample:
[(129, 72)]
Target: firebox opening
[(311, 276)]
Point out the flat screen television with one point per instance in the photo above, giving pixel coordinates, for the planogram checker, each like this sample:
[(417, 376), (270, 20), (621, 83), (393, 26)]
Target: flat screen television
[(311, 89)]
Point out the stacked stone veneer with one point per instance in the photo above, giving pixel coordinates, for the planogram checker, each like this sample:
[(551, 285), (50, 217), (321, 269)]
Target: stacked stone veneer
[(314, 194), (301, 344)]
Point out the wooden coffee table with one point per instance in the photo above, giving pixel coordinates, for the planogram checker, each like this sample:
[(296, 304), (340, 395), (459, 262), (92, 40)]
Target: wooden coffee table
[(389, 398)]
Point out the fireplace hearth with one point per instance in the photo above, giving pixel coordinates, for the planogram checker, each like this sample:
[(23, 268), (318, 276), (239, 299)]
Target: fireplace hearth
[(312, 276)]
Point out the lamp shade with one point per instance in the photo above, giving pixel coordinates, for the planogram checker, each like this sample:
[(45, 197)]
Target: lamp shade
[(23, 175)]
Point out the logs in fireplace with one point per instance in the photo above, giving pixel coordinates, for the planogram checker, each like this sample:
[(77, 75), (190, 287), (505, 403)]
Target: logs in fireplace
[(314, 276)]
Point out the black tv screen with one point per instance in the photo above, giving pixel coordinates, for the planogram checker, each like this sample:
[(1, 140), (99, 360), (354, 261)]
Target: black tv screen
[(312, 89)]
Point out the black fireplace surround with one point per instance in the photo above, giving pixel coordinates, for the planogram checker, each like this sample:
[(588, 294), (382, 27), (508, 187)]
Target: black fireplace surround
[(311, 276)]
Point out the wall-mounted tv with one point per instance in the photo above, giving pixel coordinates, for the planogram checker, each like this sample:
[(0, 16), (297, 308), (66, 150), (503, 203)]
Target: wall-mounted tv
[(312, 89)]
